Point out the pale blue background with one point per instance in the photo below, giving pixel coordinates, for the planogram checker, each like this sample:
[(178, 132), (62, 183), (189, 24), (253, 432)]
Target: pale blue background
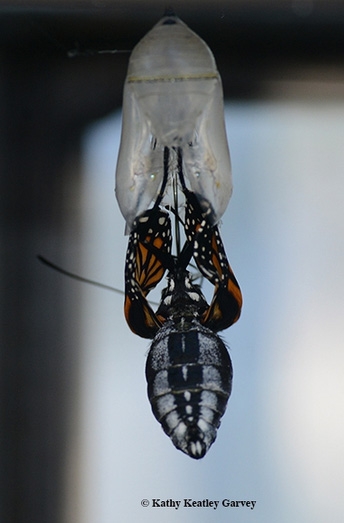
[(281, 440)]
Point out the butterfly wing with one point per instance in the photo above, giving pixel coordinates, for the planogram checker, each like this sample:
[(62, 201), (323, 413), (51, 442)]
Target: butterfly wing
[(147, 258), (212, 262)]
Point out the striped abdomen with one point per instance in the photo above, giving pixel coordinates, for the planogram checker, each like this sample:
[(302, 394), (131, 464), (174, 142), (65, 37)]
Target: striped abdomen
[(189, 375)]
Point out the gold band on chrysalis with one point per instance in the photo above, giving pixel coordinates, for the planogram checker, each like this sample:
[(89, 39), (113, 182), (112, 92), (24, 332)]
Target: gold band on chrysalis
[(171, 78)]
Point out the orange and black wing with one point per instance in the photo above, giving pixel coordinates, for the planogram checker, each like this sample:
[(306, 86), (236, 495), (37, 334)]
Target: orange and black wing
[(211, 259), (212, 262), (148, 252)]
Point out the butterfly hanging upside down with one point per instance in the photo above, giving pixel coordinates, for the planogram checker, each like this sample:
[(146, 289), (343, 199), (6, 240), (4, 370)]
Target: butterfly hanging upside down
[(188, 370), (174, 148)]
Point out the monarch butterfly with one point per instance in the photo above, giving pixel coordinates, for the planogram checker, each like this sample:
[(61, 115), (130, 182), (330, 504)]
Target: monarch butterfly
[(188, 370), (172, 98), (174, 161), (149, 256)]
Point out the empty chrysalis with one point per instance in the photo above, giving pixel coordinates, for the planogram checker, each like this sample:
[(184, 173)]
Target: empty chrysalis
[(172, 98)]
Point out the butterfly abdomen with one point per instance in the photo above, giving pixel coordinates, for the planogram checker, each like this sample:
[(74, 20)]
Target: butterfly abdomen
[(189, 375)]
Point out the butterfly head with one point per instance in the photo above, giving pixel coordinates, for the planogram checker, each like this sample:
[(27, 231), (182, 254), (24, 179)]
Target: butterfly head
[(181, 297)]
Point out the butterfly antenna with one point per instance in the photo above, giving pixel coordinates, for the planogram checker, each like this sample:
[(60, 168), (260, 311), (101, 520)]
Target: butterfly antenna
[(76, 276), (176, 215), (165, 178)]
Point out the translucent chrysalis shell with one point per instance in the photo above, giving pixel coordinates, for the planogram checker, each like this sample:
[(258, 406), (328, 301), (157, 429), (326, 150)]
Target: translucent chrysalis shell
[(172, 98)]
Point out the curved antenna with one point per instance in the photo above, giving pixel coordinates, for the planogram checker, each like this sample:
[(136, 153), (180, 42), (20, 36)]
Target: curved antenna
[(76, 276), (82, 279)]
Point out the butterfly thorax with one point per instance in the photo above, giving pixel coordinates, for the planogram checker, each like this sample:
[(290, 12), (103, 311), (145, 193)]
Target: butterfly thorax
[(181, 301)]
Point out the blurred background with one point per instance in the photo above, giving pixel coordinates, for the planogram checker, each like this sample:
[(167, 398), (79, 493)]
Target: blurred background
[(79, 443)]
